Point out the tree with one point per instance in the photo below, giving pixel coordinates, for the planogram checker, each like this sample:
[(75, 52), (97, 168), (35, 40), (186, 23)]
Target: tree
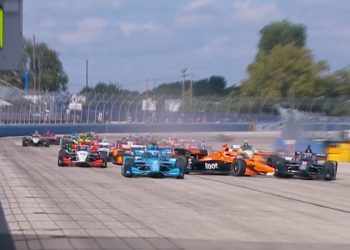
[(342, 81), (281, 33), (49, 72), (287, 71), (106, 91), (102, 87), (215, 85), (168, 89)]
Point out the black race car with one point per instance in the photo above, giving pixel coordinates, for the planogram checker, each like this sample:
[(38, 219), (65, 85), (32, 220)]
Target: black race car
[(306, 165)]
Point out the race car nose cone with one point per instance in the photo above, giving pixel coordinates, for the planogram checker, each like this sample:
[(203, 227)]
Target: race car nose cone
[(155, 165), (82, 155)]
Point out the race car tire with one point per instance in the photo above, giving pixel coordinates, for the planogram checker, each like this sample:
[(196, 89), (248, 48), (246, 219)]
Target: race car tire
[(278, 163), (60, 162), (330, 170), (60, 157), (46, 144), (127, 168), (181, 163), (238, 167), (104, 156), (24, 142)]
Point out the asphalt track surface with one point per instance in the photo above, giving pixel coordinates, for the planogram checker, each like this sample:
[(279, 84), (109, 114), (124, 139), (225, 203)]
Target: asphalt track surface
[(43, 206)]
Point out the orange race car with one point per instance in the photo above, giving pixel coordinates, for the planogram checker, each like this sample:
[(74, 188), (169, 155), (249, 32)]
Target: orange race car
[(237, 161), (124, 149)]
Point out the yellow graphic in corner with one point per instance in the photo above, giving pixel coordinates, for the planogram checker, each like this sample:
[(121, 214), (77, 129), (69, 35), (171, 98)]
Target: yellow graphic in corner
[(1, 27)]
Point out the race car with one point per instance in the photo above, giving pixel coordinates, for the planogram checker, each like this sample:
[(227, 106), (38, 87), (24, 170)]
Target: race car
[(153, 163), (88, 137), (305, 165), (35, 140), (52, 138), (125, 148), (229, 160), (107, 147), (81, 156)]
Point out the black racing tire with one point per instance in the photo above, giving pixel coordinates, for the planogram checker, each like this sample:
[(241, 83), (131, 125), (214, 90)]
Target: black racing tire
[(24, 142), (110, 158), (181, 163), (46, 144), (238, 167), (104, 156), (278, 163), (60, 162), (330, 170), (275, 161), (60, 157), (127, 166)]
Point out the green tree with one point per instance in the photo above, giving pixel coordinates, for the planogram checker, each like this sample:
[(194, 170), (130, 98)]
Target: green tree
[(287, 71), (49, 72), (342, 81), (107, 91), (102, 87), (328, 86), (335, 84), (281, 33), (168, 89), (215, 85)]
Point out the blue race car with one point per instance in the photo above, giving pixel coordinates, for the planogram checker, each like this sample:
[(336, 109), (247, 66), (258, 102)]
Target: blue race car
[(154, 163)]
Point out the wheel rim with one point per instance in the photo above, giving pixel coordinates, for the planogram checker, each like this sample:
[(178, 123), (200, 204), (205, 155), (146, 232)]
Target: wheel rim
[(235, 167)]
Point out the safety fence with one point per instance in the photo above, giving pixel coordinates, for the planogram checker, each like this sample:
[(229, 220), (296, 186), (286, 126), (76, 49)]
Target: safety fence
[(130, 107)]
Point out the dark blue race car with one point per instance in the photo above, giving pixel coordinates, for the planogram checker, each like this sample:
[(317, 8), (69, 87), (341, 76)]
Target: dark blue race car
[(154, 163)]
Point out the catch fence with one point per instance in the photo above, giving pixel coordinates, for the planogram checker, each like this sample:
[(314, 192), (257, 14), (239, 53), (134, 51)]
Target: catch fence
[(64, 108)]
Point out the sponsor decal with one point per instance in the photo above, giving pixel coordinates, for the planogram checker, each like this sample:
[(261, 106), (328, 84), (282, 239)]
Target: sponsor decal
[(211, 166)]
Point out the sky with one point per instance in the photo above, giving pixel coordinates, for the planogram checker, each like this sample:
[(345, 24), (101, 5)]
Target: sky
[(128, 41)]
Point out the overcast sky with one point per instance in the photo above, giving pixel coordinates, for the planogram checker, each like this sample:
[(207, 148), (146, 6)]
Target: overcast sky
[(127, 41)]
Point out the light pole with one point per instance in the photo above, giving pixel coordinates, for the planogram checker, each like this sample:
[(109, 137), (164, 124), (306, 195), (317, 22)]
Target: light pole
[(184, 72), (87, 73)]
